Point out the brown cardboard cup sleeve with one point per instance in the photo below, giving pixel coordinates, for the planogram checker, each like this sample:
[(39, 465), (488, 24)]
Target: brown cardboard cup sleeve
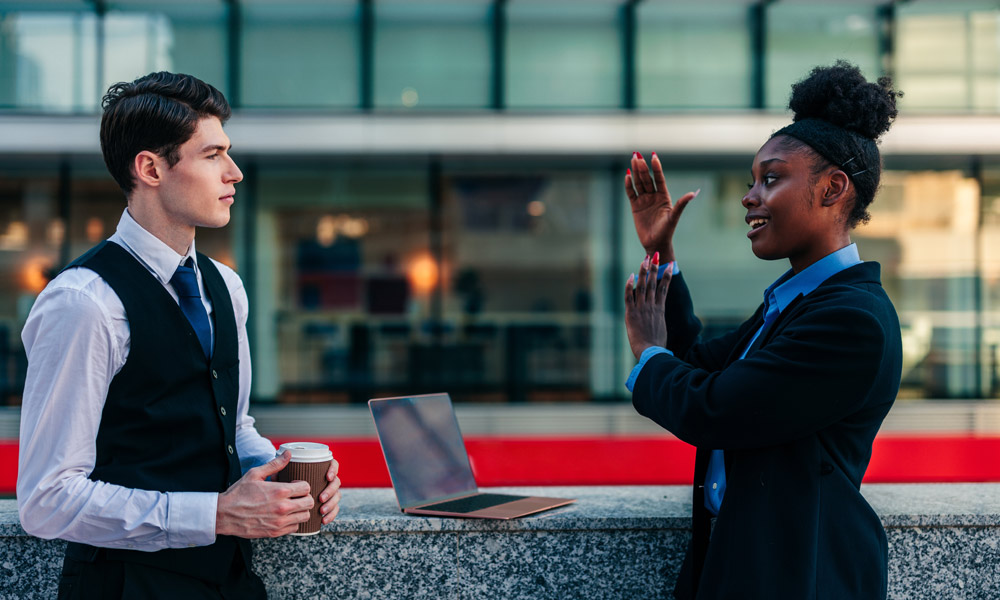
[(310, 462)]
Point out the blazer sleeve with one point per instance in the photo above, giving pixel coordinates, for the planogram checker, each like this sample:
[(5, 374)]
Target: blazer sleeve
[(815, 370)]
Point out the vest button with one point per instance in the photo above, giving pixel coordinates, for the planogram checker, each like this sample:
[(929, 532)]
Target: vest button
[(230, 448), (222, 409), (214, 374)]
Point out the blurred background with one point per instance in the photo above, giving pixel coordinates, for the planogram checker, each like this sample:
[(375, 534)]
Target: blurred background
[(433, 196)]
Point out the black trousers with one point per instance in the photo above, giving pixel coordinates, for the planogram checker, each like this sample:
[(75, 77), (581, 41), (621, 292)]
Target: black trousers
[(104, 579)]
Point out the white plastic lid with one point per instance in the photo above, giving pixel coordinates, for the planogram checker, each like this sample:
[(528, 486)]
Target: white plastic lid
[(307, 452)]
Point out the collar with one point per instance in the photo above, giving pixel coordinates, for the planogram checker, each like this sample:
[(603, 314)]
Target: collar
[(790, 285), (153, 253)]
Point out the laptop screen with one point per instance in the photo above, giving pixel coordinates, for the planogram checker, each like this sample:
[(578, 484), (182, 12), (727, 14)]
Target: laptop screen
[(423, 448)]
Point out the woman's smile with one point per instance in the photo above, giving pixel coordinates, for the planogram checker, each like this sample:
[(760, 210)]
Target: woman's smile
[(756, 223)]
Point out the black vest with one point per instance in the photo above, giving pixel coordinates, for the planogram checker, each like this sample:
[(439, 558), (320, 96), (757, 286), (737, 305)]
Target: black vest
[(169, 421)]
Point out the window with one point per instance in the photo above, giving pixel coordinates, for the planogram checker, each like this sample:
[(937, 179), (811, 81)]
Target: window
[(692, 55), (183, 37), (948, 55), (48, 56), (923, 231), (344, 280), (527, 253), (31, 234), (561, 55), (433, 55), (299, 54), (803, 36)]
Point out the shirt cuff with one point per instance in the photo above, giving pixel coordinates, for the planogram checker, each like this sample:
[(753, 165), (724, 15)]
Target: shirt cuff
[(647, 354), (191, 518), (663, 269)]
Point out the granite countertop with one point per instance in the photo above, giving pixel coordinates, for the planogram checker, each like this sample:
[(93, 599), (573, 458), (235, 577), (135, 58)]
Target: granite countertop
[(639, 508)]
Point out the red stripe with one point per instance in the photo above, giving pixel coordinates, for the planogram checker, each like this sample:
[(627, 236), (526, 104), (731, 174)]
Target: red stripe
[(652, 460)]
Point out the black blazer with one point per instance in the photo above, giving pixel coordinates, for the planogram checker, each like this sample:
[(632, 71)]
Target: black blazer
[(796, 419)]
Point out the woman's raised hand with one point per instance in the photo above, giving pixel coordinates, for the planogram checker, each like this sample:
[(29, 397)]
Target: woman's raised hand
[(654, 215)]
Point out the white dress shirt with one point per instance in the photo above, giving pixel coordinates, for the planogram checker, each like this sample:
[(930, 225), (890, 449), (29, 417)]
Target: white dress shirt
[(77, 339)]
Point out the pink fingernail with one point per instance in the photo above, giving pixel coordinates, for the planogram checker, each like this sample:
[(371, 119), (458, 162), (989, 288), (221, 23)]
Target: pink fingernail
[(656, 258), (696, 192), (628, 172), (640, 154), (631, 279)]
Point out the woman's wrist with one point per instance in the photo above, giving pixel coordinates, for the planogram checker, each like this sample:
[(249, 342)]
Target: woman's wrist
[(666, 254)]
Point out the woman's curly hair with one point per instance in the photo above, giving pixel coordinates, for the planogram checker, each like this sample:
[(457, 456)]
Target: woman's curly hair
[(840, 115)]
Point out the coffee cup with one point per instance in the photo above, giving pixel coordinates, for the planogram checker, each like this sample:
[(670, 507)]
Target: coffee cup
[(310, 462)]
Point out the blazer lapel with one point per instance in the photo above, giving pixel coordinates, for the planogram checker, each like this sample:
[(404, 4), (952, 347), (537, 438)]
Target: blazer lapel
[(775, 326), (737, 350)]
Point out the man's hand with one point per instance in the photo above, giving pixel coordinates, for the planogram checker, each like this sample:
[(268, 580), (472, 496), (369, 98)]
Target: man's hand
[(330, 496), (645, 299), (256, 508), (655, 216)]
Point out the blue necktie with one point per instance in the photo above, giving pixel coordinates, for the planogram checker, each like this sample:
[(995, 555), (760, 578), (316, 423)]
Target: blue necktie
[(185, 283)]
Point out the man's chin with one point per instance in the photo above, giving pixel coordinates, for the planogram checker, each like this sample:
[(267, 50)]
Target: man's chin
[(216, 223)]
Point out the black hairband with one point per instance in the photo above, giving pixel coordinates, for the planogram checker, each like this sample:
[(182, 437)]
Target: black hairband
[(834, 143)]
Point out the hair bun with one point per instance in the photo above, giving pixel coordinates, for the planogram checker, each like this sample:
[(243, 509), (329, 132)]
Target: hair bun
[(841, 95)]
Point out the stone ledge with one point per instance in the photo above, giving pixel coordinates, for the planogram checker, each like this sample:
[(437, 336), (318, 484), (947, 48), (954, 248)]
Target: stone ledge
[(614, 542)]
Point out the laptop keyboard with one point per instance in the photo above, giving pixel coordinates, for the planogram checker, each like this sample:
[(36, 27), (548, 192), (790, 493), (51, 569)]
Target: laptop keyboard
[(472, 503)]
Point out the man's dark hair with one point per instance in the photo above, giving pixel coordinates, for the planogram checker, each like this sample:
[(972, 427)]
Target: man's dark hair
[(157, 112)]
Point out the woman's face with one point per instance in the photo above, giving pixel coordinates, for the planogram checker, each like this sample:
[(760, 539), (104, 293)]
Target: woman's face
[(785, 211)]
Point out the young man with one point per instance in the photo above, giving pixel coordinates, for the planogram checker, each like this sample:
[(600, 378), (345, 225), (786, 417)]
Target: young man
[(136, 445)]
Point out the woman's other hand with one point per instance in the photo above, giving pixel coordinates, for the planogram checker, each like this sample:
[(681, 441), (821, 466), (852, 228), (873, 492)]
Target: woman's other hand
[(654, 214), (645, 298)]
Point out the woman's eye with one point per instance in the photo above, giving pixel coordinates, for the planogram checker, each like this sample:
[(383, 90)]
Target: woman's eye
[(769, 179), (750, 186)]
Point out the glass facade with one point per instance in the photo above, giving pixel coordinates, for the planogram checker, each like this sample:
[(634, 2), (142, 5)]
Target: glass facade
[(48, 57), (948, 55), (673, 69), (60, 55), (343, 273), (140, 37), (299, 54), (801, 36), (564, 59), (432, 55), (498, 277)]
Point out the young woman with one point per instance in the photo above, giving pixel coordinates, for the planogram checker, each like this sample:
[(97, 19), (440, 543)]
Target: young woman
[(783, 410)]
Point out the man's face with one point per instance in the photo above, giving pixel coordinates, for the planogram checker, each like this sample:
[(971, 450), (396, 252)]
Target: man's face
[(199, 189)]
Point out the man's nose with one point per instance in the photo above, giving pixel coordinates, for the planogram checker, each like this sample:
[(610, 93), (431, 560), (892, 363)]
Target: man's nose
[(233, 174)]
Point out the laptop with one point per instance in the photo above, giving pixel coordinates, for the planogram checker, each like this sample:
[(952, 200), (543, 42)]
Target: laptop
[(430, 468)]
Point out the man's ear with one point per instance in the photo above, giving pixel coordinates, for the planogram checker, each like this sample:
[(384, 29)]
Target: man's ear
[(836, 189), (147, 167)]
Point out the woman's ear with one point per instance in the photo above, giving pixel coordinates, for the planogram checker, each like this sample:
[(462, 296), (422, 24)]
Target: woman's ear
[(837, 186)]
